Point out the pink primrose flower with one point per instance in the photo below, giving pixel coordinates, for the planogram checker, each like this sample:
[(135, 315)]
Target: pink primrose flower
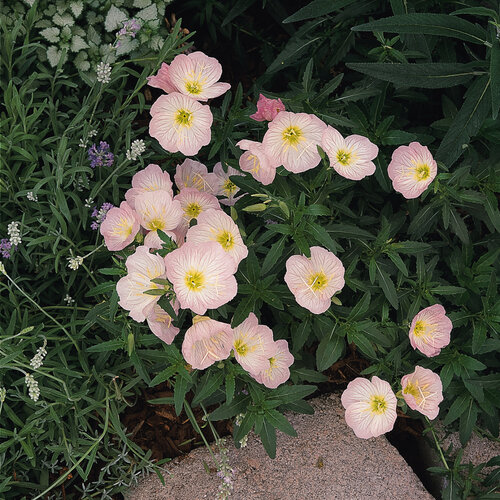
[(193, 174), (314, 280), (412, 169), (202, 276), (196, 75), (423, 391), (256, 161), (370, 407), (162, 80), (430, 330), (292, 140), (180, 123), (278, 368), (225, 186), (193, 203), (267, 109), (253, 345), (119, 227), (160, 323), (152, 178), (350, 157), (142, 267), (157, 210), (206, 342), (217, 226)]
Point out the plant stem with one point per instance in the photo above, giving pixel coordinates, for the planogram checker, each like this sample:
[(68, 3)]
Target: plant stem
[(438, 446)]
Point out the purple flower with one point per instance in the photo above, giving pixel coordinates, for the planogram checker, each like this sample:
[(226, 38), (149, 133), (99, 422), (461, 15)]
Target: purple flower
[(100, 155), (5, 248), (130, 28), (100, 215)]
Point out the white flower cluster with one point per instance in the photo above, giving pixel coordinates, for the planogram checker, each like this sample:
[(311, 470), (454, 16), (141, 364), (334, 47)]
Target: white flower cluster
[(103, 72), (3, 394), (136, 149), (75, 262), (37, 360), (69, 300), (14, 233), (81, 32), (31, 196), (33, 389)]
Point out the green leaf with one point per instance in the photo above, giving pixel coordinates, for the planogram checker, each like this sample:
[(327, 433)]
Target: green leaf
[(155, 291), (229, 410), (180, 390), (109, 345), (230, 387), (276, 419), (411, 247), (458, 226), (458, 406), (275, 252), (245, 427), (467, 122), (290, 54), (364, 345), (329, 351), (309, 375), (166, 305), (398, 262), (427, 24), (320, 234), (447, 290), (164, 375), (387, 286), (397, 137), (348, 231), (307, 77), (238, 8), (208, 384), (467, 422), (289, 393), (300, 334), (495, 77), (327, 89), (491, 207), (317, 8), (268, 436), (244, 308), (102, 288), (424, 75), (359, 310), (478, 336)]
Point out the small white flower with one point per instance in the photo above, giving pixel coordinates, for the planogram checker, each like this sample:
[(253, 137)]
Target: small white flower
[(93, 133), (68, 299), (75, 262), (244, 441), (2, 268), (103, 71), (37, 360), (3, 394), (136, 149), (83, 143), (89, 202), (14, 233), (31, 196), (33, 390)]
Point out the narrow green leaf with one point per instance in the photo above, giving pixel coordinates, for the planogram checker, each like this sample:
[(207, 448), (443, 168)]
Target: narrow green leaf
[(268, 436), (317, 8), (300, 334), (329, 351), (495, 77), (229, 410), (180, 389), (276, 419), (238, 8), (208, 384), (307, 77), (458, 226), (458, 406), (387, 286), (447, 290), (244, 308), (467, 422), (359, 310), (275, 252)]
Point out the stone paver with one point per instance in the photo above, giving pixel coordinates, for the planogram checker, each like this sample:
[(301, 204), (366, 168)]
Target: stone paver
[(325, 462)]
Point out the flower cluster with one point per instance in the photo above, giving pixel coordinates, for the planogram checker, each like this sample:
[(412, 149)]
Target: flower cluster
[(129, 30), (37, 360), (103, 72), (75, 262), (179, 121), (33, 389), (371, 406), (14, 233), (136, 149), (5, 248), (100, 215), (31, 197), (101, 155)]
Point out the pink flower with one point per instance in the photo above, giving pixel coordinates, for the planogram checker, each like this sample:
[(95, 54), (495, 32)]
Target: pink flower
[(423, 391), (256, 161), (157, 210), (314, 280), (277, 371), (152, 240), (142, 267), (292, 140), (193, 174), (193, 203), (206, 341), (160, 323), (430, 330), (196, 75), (226, 187), (215, 225), (253, 345), (152, 178), (412, 169), (202, 276), (350, 157), (370, 407), (267, 109), (162, 80), (120, 227), (180, 123)]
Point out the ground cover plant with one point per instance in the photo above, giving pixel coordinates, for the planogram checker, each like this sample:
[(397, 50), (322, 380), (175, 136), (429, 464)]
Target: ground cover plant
[(162, 227)]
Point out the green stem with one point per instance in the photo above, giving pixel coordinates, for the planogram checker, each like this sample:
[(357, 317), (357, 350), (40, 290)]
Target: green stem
[(438, 446), (94, 194)]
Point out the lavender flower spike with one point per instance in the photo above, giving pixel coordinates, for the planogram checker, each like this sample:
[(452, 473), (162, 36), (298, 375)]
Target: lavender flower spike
[(100, 155)]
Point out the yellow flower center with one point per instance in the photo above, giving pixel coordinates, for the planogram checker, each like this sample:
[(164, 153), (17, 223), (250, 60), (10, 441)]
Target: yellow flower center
[(422, 172), (420, 328), (291, 136), (225, 238), (193, 210), (318, 281), (419, 392), (343, 157), (194, 280), (229, 187), (193, 87), (184, 118), (123, 228), (155, 224), (378, 405), (240, 347), (272, 362), (256, 163)]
